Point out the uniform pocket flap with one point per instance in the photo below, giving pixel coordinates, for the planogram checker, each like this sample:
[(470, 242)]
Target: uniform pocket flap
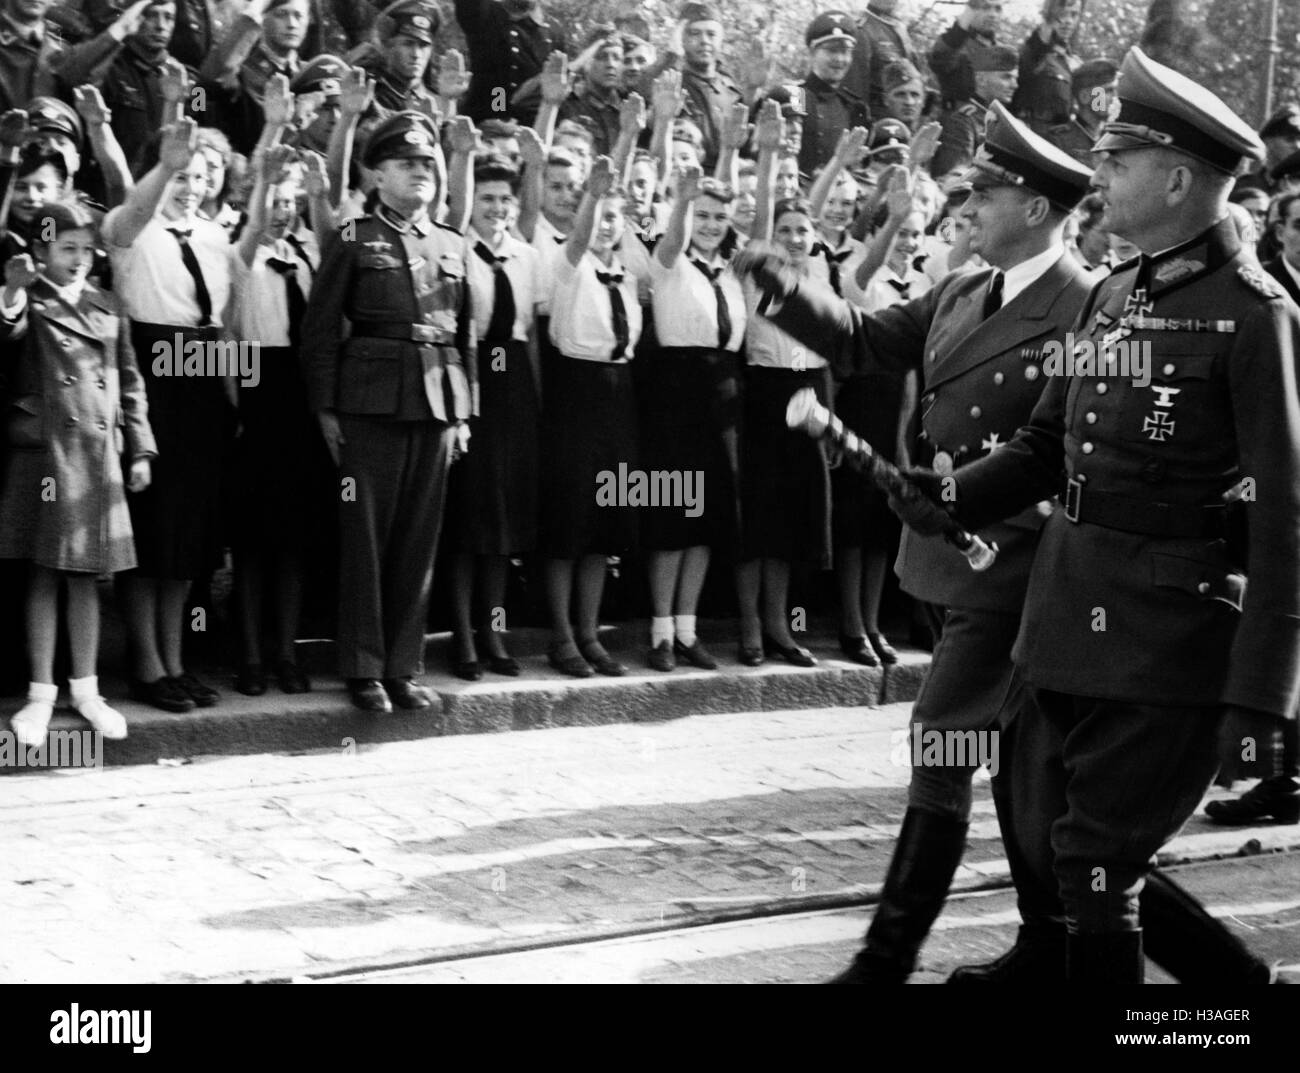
[(1210, 581), (1184, 367)]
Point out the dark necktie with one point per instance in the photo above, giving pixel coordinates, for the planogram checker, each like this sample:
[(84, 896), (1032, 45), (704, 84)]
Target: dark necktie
[(299, 250), (833, 262), (724, 314), (191, 263), (903, 288), (611, 282), (501, 328), (994, 300), (297, 303)]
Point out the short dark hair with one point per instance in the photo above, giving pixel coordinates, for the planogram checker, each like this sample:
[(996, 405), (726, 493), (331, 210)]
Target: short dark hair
[(792, 204), (717, 190), (1284, 203), (34, 158), (496, 169), (65, 216)]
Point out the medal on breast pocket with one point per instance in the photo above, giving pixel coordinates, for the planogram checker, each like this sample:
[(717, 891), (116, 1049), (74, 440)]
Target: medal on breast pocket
[(1159, 424)]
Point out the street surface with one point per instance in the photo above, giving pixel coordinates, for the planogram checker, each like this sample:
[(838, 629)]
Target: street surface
[(344, 864)]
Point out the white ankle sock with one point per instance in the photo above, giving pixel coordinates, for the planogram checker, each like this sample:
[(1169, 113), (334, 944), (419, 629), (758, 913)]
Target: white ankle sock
[(661, 629), (83, 689), (46, 693), (685, 627)]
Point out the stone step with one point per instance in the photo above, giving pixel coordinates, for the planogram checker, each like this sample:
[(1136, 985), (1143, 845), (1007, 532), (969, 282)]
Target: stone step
[(539, 698)]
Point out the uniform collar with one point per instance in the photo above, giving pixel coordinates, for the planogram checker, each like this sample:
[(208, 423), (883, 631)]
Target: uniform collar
[(534, 13), (1188, 261), (71, 293), (1018, 277), (400, 223), (285, 65), (820, 86), (610, 99), (504, 251), (34, 35)]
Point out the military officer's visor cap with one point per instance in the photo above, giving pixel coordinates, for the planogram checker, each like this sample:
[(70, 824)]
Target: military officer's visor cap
[(414, 18), (51, 114), (323, 75), (407, 135), (1156, 106), (828, 27), (1013, 155)]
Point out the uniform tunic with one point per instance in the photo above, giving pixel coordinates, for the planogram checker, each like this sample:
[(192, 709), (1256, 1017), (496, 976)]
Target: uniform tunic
[(77, 414), (691, 402), (589, 425), (504, 52), (177, 518), (831, 111), (881, 40)]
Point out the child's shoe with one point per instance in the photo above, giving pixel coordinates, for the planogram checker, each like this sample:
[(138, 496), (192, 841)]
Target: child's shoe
[(95, 710), (33, 721)]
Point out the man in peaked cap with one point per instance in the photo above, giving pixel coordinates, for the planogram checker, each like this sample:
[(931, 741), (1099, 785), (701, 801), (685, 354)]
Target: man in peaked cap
[(508, 42), (320, 79), (1092, 87), (994, 70), (980, 340), (709, 92), (393, 398), (1139, 636), (830, 108), (1281, 137), (882, 40)]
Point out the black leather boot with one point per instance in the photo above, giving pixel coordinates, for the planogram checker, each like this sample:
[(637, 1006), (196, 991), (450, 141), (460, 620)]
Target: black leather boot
[(1038, 957), (926, 857), (1189, 944), (1102, 959)]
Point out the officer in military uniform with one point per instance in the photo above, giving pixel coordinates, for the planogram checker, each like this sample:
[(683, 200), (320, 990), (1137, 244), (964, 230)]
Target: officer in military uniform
[(829, 108), (979, 341), (1093, 89), (881, 40), (963, 126), (406, 31), (393, 399), (508, 42), (1139, 635), (709, 92), (34, 59), (322, 76)]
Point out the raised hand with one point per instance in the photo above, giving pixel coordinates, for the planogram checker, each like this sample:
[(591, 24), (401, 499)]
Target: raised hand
[(601, 180), (898, 187), (631, 115), (557, 83), (688, 182), (128, 22), (14, 129), (179, 144), (735, 127), (463, 136), (20, 273), (532, 152), (754, 66), (925, 143), (276, 162), (453, 78), (315, 179), (91, 107), (174, 84), (769, 131), (356, 91), (668, 95), (277, 101), (849, 149)]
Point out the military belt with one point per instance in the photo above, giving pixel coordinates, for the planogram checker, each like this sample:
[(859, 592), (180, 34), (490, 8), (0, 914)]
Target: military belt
[(413, 333), (1131, 515)]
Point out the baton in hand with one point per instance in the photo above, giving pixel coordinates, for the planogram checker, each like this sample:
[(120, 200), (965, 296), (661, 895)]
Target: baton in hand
[(807, 414)]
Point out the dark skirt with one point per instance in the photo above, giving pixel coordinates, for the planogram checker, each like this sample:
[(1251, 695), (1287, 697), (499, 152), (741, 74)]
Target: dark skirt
[(873, 407), (785, 482), (282, 478), (176, 518), (589, 430), (492, 494), (690, 423)]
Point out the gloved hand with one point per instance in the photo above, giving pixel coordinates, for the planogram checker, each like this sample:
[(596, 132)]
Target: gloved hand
[(922, 506), (769, 266)]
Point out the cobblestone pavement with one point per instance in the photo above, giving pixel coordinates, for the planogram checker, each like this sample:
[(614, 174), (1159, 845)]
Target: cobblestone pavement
[(287, 865)]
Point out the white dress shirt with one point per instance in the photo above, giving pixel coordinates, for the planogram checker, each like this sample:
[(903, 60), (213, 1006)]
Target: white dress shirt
[(522, 269), (259, 307), (685, 308), (582, 316), (1017, 278), (150, 277)]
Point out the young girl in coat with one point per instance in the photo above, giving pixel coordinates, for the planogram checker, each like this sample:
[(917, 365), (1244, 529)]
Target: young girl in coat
[(77, 414)]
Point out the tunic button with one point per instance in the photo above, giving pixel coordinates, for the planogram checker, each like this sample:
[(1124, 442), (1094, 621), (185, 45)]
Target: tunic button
[(1087, 448), (65, 343), (1090, 417), (1169, 369), (101, 382), (1031, 372), (934, 355), (976, 412), (514, 50), (998, 378), (1203, 587), (1102, 387), (927, 398), (101, 425), (69, 379)]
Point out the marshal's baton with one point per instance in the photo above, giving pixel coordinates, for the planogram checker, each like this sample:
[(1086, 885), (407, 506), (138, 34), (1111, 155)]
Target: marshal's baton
[(809, 415)]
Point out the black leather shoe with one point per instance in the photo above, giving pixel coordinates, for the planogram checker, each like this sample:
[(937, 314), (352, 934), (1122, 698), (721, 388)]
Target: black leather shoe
[(574, 666), (661, 657), (695, 654), (471, 670), (857, 649), (1277, 799), (869, 968), (290, 678), (883, 649), (1104, 958), (507, 665), (251, 680), (369, 695), (1038, 957), (601, 661), (750, 657), (163, 693), (203, 696), (792, 654), (406, 694)]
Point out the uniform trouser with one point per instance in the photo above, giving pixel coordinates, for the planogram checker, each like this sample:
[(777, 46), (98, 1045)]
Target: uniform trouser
[(970, 673), (388, 539), (1095, 788)]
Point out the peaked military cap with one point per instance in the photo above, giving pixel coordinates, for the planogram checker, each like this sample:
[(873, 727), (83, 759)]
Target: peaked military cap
[(52, 114), (1013, 155), (415, 18), (830, 26), (1092, 74), (405, 134), (888, 134), (321, 75), (1156, 106)]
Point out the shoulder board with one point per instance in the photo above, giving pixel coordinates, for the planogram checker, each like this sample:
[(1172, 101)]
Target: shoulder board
[(1260, 281)]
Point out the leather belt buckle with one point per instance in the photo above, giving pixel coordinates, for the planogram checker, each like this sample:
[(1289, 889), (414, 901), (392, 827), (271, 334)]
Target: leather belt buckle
[(424, 333), (1073, 493)]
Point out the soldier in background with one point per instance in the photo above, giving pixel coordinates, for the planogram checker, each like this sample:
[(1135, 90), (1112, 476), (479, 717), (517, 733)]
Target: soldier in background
[(950, 58), (1092, 89), (830, 108), (1044, 93), (508, 42), (1281, 137), (882, 40), (994, 74)]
